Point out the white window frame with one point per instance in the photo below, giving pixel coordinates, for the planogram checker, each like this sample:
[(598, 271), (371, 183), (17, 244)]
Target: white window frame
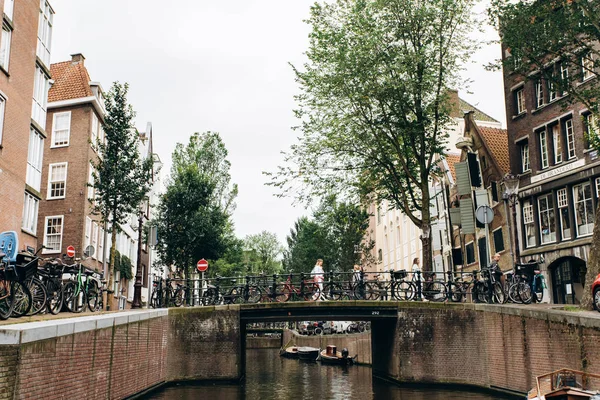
[(51, 181), (597, 181), (5, 46), (570, 135), (466, 261), (590, 125), (557, 141), (520, 98), (40, 96), (587, 66), (548, 212), (9, 7), (494, 239), (543, 135), (90, 190), (35, 156), (95, 231), (525, 164), (576, 201), (2, 111), (528, 221), (30, 213), (539, 93), (562, 202), (53, 144), (100, 251), (95, 130), (44, 34), (62, 229)]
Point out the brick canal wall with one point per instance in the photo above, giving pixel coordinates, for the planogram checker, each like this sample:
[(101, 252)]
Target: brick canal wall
[(263, 342), (356, 343), (498, 347)]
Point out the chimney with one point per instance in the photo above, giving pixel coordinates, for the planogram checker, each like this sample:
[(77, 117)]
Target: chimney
[(77, 58)]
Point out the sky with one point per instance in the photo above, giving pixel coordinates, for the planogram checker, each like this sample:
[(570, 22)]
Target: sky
[(219, 65)]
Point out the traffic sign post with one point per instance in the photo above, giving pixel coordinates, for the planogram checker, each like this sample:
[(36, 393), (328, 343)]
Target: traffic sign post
[(71, 251), (202, 265), (485, 215)]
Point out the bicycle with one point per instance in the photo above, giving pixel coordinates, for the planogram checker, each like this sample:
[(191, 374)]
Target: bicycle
[(309, 290), (400, 288), (75, 297), (51, 276), (531, 284), (432, 289)]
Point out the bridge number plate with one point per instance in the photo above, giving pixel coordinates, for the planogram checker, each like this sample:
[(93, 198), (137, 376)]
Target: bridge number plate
[(374, 312)]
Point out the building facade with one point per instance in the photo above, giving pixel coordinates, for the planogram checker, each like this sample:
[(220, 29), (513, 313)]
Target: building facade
[(559, 177), (24, 82)]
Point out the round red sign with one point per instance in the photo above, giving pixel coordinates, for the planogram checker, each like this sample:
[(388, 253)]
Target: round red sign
[(71, 251), (202, 265)]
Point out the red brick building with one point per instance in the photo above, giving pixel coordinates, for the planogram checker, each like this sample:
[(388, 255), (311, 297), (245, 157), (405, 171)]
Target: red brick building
[(74, 121), (24, 82)]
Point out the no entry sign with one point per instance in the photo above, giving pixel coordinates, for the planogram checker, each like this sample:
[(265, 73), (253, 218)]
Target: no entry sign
[(71, 251), (202, 265)]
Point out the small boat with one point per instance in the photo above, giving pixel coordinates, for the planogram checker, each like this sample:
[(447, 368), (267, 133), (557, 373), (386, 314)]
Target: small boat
[(308, 353), (331, 356), (566, 384), (289, 352)]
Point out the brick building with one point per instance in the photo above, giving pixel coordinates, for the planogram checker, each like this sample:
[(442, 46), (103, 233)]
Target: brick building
[(24, 82), (559, 176)]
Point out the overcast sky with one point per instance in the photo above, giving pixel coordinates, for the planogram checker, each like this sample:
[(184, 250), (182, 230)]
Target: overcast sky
[(218, 65)]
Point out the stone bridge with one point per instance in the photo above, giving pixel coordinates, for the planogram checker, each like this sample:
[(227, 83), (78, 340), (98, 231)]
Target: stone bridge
[(117, 355)]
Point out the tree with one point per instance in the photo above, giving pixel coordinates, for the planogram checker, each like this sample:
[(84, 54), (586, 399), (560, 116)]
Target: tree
[(306, 243), (558, 42), (374, 103), (121, 177), (194, 214), (262, 251)]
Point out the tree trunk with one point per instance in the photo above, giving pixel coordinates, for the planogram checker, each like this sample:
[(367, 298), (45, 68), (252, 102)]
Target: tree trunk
[(110, 297), (593, 264), (427, 256)]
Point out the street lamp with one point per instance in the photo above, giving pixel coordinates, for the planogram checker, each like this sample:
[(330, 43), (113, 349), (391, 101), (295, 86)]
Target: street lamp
[(511, 191), (137, 286)]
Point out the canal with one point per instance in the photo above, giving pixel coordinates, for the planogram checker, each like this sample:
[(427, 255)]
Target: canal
[(269, 376)]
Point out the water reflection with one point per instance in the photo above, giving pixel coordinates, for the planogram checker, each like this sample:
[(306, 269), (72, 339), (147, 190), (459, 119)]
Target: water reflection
[(269, 376)]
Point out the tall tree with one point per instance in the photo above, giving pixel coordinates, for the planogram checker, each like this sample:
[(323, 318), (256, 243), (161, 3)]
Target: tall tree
[(194, 213), (557, 41), (305, 244), (262, 251), (374, 104), (121, 177)]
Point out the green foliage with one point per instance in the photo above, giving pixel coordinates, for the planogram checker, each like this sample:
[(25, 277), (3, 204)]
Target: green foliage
[(126, 268), (335, 234), (117, 261), (194, 213), (374, 104), (261, 253)]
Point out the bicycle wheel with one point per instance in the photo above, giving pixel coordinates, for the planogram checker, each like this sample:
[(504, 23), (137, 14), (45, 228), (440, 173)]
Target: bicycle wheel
[(74, 298), (404, 290), (435, 291), (455, 292), (38, 295), (282, 293), (312, 292), (21, 298), (372, 291), (94, 296), (332, 291), (525, 292), (513, 294), (498, 293), (479, 293), (54, 293), (254, 294), (178, 297), (360, 291), (6, 300)]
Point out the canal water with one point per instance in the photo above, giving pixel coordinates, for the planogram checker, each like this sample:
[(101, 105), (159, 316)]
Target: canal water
[(269, 376)]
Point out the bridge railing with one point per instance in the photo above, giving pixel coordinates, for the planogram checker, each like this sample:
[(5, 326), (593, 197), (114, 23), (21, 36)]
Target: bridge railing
[(399, 285)]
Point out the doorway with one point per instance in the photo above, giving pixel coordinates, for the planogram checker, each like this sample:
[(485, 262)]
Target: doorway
[(568, 277)]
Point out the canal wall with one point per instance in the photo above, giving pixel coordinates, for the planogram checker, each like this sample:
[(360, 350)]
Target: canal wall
[(263, 342), (98, 357), (356, 343), (494, 347)]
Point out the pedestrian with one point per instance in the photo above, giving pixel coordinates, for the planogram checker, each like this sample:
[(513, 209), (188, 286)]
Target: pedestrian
[(356, 272), (495, 268), (416, 270), (317, 274)]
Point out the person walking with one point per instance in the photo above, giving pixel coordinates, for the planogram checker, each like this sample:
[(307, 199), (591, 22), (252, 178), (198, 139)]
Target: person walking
[(417, 276), (318, 276)]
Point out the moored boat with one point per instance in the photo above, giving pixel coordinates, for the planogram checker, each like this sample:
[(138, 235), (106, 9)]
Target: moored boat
[(308, 353), (289, 352), (331, 356), (566, 384)]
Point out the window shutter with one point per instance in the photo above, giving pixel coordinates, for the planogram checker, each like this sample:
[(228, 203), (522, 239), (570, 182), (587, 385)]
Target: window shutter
[(462, 178), (494, 191), (457, 257), (455, 216), (474, 169), (467, 217), (435, 232)]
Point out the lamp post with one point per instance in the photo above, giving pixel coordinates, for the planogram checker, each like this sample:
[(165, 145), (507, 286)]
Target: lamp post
[(137, 286), (510, 195)]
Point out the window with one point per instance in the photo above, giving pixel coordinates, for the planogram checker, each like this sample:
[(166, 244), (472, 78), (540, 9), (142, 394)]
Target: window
[(494, 192), (57, 181), (587, 66), (584, 209), (61, 129), (95, 239), (539, 93), (379, 255), (5, 46), (53, 234), (498, 240), (40, 96), (9, 6), (525, 166), (597, 187), (547, 219), (30, 214), (520, 100), (95, 132), (563, 212), (101, 245), (544, 149), (470, 248), (90, 189), (2, 107), (556, 139), (591, 130), (551, 89), (564, 75), (44, 32), (88, 232), (35, 155), (528, 223), (570, 138)]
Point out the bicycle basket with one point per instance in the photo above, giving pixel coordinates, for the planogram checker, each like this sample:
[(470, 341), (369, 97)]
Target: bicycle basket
[(26, 266), (9, 273), (400, 274)]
